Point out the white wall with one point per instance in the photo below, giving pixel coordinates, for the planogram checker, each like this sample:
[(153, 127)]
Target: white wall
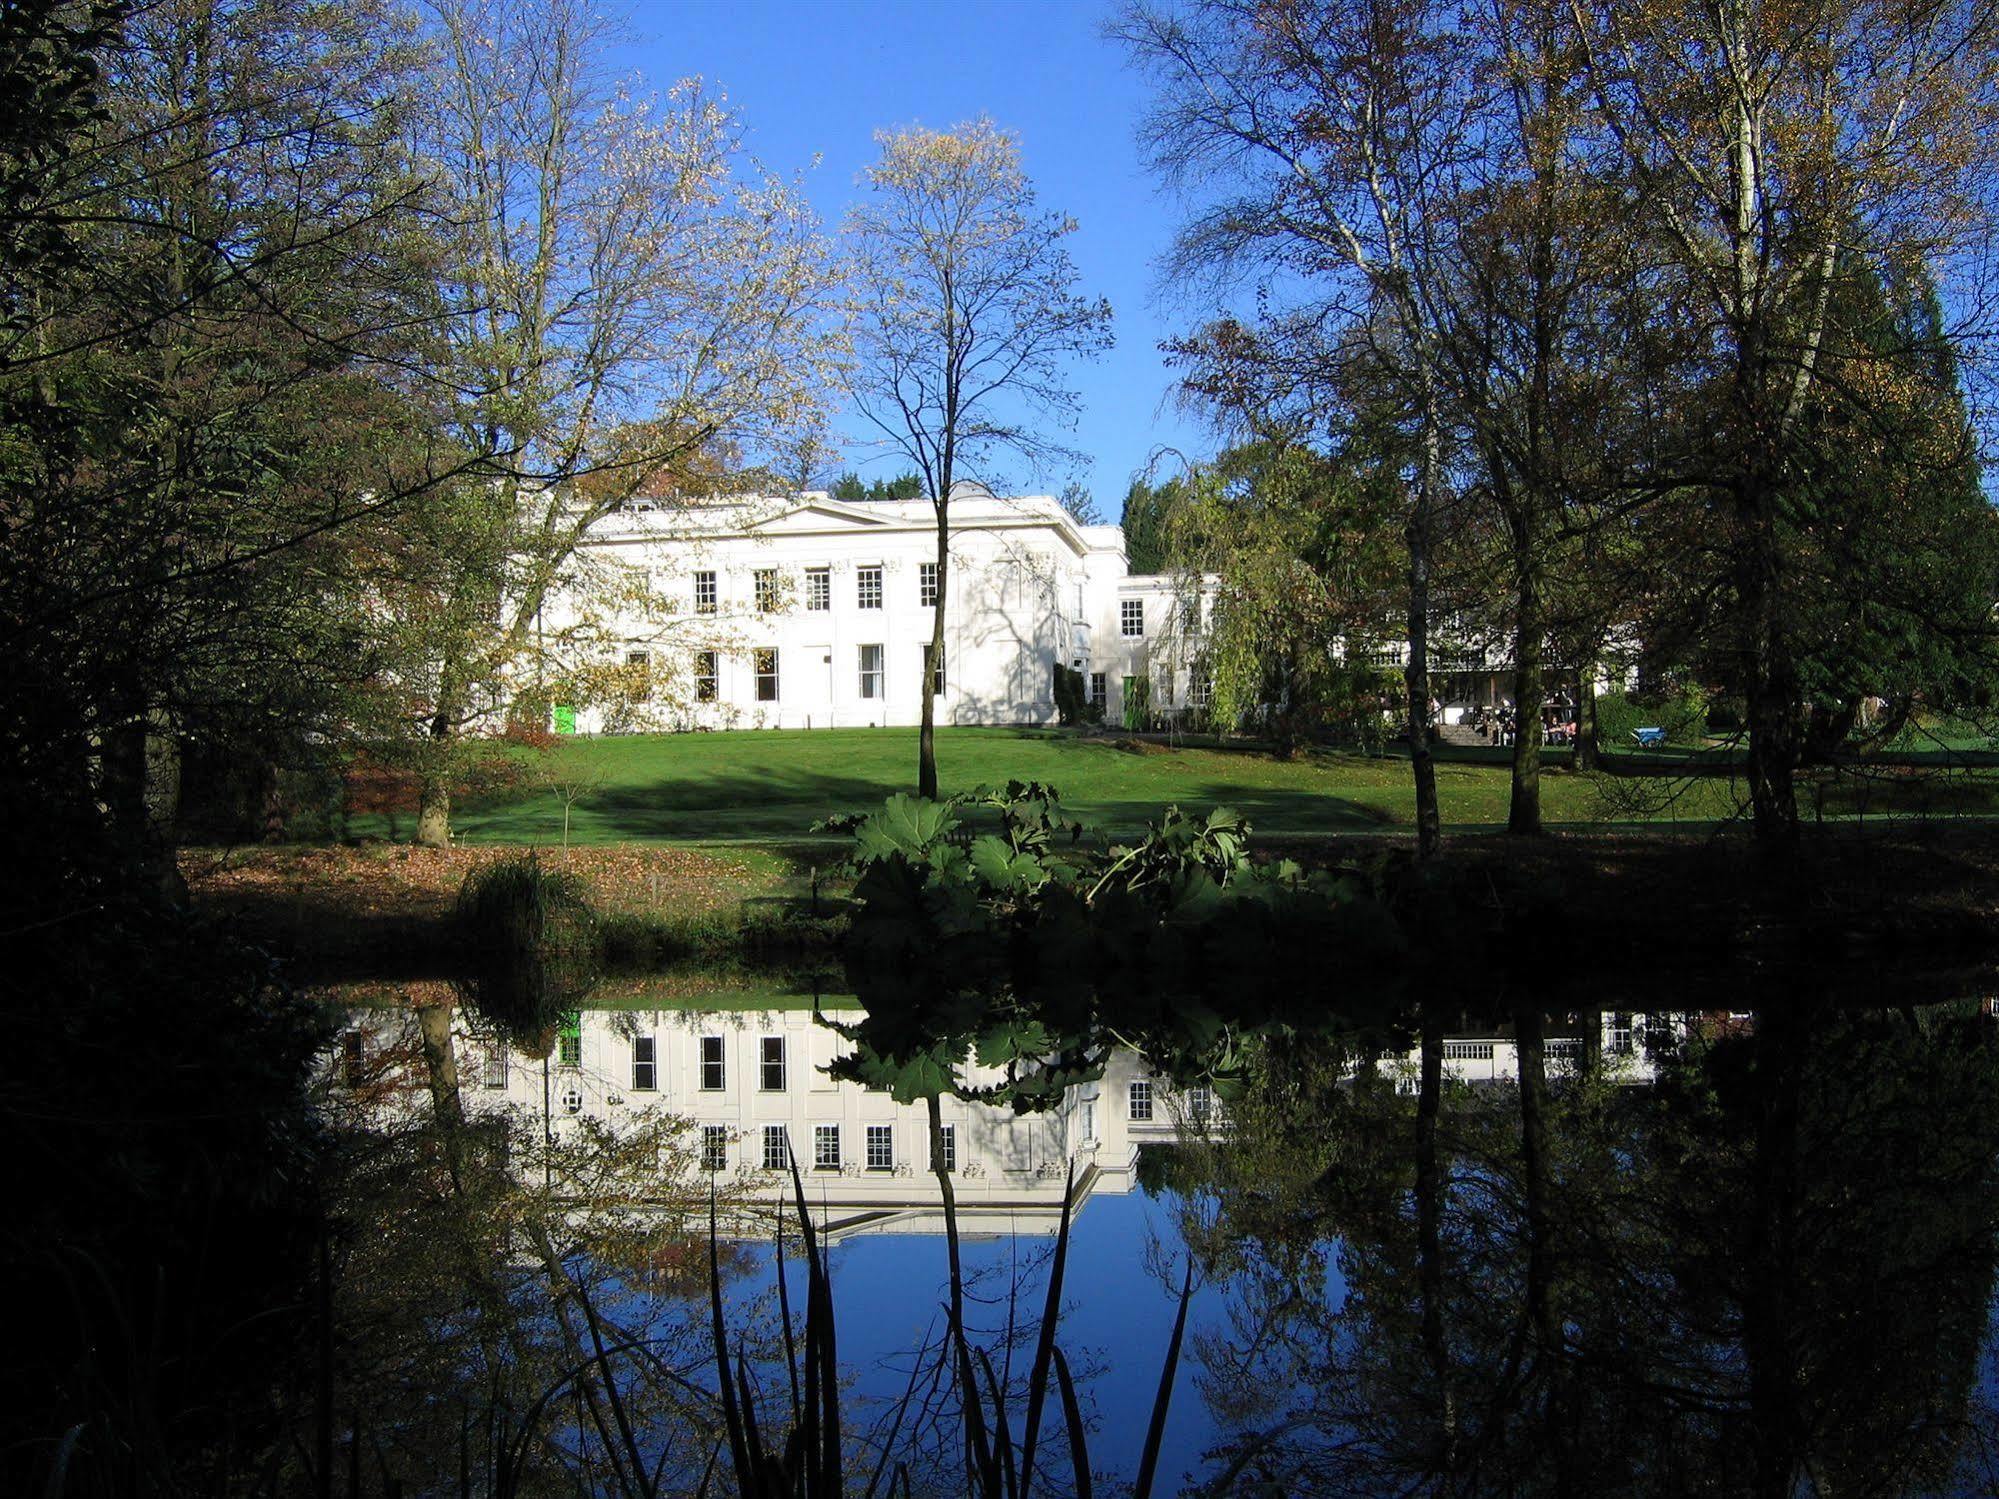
[(1028, 588)]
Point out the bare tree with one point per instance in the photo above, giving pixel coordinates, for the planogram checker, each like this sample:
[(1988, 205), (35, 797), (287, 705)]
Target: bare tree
[(1787, 152), (1327, 136), (637, 301), (963, 312)]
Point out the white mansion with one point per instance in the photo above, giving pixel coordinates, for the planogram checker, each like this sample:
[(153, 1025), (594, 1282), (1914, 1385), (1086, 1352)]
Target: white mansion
[(806, 612)]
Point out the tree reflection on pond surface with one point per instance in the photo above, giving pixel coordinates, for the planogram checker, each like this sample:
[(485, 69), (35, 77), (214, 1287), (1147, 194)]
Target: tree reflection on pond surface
[(1583, 1253)]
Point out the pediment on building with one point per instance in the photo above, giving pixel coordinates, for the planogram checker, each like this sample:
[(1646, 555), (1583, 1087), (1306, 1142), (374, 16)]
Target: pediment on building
[(822, 515)]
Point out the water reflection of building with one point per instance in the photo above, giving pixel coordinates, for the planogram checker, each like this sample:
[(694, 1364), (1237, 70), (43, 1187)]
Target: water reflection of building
[(753, 1083), (1630, 1045)]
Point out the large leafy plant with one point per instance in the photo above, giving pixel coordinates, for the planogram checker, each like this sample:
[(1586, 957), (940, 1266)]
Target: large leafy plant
[(994, 927)]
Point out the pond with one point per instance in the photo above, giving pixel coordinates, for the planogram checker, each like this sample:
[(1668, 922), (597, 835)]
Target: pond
[(1583, 1250)]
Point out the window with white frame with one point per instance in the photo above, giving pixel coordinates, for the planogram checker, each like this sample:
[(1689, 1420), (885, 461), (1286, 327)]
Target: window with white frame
[(707, 674), (871, 671), (776, 1156), (868, 587), (818, 589), (493, 1064), (638, 667), (1131, 618), (1100, 691), (572, 1099), (714, 1065), (1200, 688), (645, 1064), (1139, 1100), (1621, 1036), (569, 1049), (764, 580), (714, 1147), (881, 1147), (1200, 1105), (705, 593), (826, 1147), (926, 584), (765, 661), (947, 1142), (937, 673), (770, 1064)]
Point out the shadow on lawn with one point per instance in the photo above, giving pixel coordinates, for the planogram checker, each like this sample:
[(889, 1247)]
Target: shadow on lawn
[(778, 803), (784, 802)]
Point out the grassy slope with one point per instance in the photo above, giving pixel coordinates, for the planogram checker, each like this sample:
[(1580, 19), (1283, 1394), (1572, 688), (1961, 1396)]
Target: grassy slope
[(768, 785)]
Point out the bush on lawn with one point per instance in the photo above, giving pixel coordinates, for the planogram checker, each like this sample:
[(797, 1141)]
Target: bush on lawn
[(529, 942), (1682, 713)]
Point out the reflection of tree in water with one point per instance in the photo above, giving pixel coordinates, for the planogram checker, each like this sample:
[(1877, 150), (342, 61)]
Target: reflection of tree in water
[(1769, 1273), (480, 1265)]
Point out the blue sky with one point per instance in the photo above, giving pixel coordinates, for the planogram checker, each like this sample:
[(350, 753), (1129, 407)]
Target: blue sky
[(819, 77)]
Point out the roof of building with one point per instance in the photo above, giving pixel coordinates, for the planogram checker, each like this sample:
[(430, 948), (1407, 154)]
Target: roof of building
[(814, 512)]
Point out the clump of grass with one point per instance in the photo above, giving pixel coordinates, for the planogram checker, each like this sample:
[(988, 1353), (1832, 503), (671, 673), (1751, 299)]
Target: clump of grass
[(529, 943)]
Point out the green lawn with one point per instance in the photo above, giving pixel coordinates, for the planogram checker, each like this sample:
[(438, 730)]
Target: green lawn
[(765, 785)]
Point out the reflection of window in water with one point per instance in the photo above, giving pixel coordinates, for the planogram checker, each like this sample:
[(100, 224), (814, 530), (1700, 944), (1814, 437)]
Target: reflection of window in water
[(645, 1064), (881, 1147), (1141, 1100), (826, 1147), (714, 1073), (947, 1158), (572, 1100), (493, 1064), (776, 1157), (714, 1147), (771, 1075)]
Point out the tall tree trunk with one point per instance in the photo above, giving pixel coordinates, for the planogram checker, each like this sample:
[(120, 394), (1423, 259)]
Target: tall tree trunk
[(1761, 430), (933, 653), (1587, 755), (1523, 814), (1416, 673), (433, 807), (1770, 674)]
